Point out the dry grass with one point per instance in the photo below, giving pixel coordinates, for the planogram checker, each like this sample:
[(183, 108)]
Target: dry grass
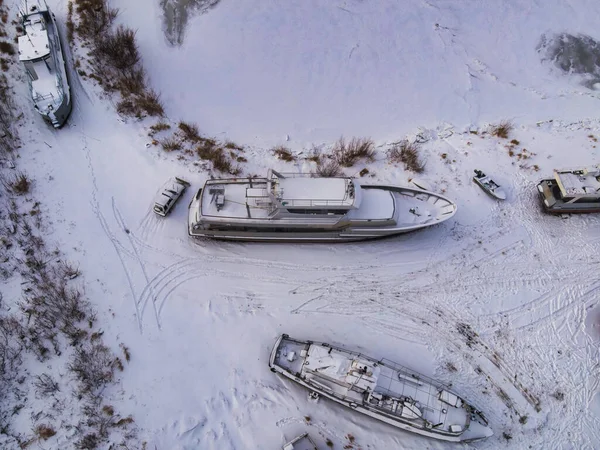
[(407, 153), (348, 154), (189, 131), (210, 150), (118, 50), (283, 153), (7, 48), (233, 146), (502, 130), (150, 103), (158, 127), (44, 432), (18, 184), (132, 82), (170, 144), (95, 17), (328, 167)]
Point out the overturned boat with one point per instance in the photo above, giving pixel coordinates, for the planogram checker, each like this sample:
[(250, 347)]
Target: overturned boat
[(305, 207), (571, 191), (378, 388), (41, 52)]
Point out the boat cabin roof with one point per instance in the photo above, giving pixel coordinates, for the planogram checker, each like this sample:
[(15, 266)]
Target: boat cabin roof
[(579, 182), (34, 44), (315, 192)]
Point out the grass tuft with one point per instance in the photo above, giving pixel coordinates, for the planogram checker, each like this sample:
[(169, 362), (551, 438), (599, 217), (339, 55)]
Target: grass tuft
[(348, 154), (283, 153), (502, 130), (170, 144), (407, 153), (19, 183)]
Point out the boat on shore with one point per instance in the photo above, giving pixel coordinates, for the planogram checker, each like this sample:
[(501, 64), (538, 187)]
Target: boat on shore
[(304, 207), (41, 53), (381, 389), (302, 442), (488, 185), (571, 191)]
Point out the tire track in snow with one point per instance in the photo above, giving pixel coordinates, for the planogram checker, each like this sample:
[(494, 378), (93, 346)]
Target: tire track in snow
[(113, 240), (122, 224)]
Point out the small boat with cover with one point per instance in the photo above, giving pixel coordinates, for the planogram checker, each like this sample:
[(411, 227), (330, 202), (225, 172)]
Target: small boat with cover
[(488, 185)]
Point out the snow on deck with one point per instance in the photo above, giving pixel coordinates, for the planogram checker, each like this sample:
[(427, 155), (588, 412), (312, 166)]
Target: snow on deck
[(34, 44), (579, 182), (315, 190), (376, 204), (234, 201)]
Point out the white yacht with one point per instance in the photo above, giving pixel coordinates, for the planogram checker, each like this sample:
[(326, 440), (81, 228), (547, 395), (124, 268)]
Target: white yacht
[(41, 52), (572, 191), (305, 207), (378, 388)]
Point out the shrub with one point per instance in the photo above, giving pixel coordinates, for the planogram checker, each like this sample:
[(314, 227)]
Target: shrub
[(92, 366), (514, 142), (283, 153), (158, 127), (328, 167), (408, 154), (95, 17), (127, 107), (7, 47), (170, 144), (88, 442), (358, 148), (233, 146), (18, 184), (502, 130), (44, 431), (150, 103), (119, 49), (132, 82), (189, 131), (45, 385)]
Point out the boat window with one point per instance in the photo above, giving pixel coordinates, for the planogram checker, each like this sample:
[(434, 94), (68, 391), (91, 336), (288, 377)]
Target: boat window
[(338, 212), (31, 70), (587, 200)]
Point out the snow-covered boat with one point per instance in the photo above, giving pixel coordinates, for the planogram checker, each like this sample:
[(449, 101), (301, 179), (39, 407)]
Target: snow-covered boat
[(378, 388), (305, 207), (302, 442), (572, 191), (41, 52), (489, 185)]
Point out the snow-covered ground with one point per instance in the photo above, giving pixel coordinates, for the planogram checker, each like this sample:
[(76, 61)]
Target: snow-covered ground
[(501, 301)]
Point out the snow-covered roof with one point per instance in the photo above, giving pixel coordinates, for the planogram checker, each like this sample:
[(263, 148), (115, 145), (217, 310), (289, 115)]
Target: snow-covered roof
[(34, 44), (316, 192), (579, 182)]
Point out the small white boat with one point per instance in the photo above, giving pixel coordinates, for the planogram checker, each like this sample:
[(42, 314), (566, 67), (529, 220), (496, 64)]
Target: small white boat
[(572, 191), (304, 207), (170, 192), (381, 389), (489, 185), (41, 52), (302, 442)]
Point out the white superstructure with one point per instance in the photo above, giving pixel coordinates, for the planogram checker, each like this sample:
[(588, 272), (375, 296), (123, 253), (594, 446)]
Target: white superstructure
[(305, 207)]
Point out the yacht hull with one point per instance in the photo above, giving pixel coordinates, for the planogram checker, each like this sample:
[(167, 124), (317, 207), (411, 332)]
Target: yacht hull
[(407, 217), (358, 406)]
